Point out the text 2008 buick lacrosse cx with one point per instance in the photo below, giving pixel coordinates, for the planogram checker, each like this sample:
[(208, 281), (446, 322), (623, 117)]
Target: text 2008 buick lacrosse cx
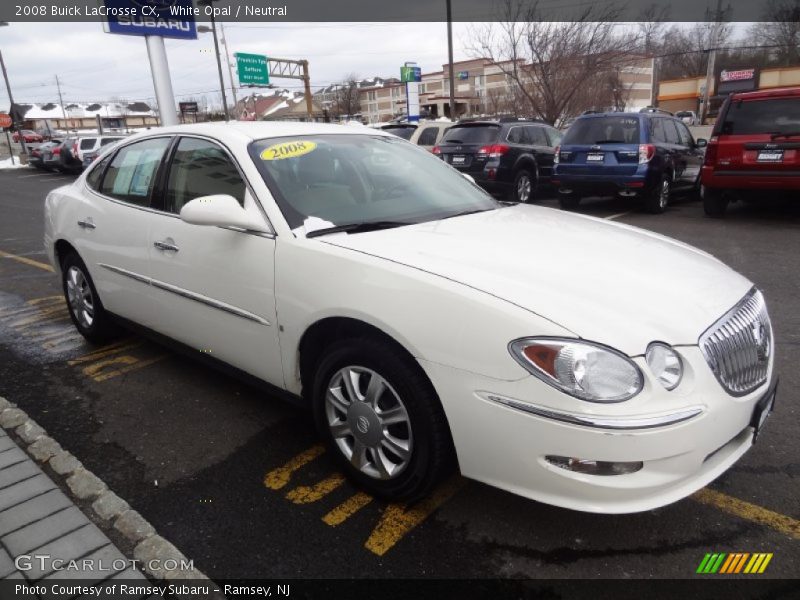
[(574, 361)]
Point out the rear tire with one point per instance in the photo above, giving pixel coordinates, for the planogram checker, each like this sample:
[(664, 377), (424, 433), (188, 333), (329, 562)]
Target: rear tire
[(83, 303), (525, 184), (714, 203), (395, 443), (569, 201), (657, 200)]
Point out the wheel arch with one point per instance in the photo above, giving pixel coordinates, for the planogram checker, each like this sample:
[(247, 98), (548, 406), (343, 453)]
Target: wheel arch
[(61, 249)]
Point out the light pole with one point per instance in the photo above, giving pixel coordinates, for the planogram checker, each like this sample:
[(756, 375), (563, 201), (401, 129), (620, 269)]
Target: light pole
[(216, 51), (450, 62), (24, 154)]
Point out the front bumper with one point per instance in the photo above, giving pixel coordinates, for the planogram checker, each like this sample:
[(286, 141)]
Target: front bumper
[(506, 447)]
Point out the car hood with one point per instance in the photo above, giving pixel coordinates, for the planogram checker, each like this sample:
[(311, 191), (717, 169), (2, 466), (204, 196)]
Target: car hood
[(603, 281)]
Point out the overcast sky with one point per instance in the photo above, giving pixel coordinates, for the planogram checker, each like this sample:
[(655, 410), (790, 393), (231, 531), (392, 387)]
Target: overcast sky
[(96, 66)]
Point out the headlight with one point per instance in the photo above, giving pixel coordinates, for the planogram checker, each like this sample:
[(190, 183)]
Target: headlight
[(665, 364), (582, 369)]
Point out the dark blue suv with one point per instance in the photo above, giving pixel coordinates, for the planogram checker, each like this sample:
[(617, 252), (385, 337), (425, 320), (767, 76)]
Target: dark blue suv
[(648, 155)]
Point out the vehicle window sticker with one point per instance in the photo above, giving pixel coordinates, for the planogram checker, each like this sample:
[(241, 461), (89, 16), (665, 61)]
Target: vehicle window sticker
[(288, 150)]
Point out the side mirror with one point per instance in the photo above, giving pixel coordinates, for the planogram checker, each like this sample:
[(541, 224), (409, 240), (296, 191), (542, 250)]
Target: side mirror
[(701, 143), (220, 210)]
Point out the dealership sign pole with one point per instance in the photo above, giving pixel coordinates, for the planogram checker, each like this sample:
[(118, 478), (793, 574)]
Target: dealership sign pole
[(155, 29), (411, 75)]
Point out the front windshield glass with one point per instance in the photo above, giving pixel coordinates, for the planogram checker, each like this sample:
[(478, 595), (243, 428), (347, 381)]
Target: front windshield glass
[(342, 179)]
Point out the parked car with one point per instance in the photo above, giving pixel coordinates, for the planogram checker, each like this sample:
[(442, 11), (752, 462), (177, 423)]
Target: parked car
[(51, 156), (400, 302), (68, 160), (429, 133), (754, 149), (508, 156), (89, 156), (402, 130), (93, 143), (647, 155), (36, 156), (688, 116), (30, 137)]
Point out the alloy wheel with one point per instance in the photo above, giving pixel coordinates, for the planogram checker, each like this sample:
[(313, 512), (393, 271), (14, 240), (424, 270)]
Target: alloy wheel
[(369, 422), (524, 186), (79, 294), (663, 197)]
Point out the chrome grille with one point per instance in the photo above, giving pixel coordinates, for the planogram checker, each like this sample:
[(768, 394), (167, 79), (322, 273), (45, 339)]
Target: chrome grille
[(738, 347)]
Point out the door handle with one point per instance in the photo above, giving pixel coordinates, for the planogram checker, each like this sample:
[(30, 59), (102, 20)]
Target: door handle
[(166, 246), (87, 223)]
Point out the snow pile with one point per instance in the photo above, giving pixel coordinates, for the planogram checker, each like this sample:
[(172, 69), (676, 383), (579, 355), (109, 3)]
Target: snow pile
[(6, 164)]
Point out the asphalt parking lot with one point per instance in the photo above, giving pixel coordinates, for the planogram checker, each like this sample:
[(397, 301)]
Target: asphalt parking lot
[(237, 481)]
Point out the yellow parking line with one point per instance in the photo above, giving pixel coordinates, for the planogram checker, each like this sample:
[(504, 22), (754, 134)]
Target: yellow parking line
[(278, 478), (347, 509), (397, 520), (27, 261), (105, 351), (304, 494), (133, 366), (751, 512), (47, 299)]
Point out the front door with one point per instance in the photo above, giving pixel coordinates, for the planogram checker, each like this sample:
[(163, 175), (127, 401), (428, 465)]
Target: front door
[(214, 288)]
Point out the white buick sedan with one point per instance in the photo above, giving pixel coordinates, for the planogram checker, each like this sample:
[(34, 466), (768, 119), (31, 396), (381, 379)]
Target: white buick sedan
[(574, 361)]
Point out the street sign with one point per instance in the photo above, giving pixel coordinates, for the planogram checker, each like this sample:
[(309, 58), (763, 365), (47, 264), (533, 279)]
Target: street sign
[(164, 18), (410, 74), (253, 69), (187, 107), (5, 121)]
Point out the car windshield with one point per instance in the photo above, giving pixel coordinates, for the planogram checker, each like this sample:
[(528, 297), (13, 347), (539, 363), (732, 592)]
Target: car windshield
[(342, 179), (774, 115), (683, 114), (603, 130), (471, 134), (402, 131)]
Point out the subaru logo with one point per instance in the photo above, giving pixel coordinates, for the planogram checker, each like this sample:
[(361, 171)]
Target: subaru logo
[(363, 424)]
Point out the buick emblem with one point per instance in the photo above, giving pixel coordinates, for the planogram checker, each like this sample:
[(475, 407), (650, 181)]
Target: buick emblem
[(362, 424)]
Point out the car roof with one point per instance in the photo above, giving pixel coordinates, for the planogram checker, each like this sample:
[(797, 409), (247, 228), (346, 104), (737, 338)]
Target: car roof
[(247, 131), (771, 93)]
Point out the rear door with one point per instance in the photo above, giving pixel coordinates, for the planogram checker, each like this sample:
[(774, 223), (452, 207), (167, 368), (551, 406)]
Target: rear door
[(461, 144), (761, 137), (539, 146), (693, 154)]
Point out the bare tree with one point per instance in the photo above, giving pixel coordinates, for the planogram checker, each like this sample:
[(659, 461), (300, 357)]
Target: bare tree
[(346, 101), (651, 26), (550, 62), (780, 28)]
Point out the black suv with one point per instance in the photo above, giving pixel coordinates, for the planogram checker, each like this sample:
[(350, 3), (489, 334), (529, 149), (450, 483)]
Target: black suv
[(508, 156), (648, 155)]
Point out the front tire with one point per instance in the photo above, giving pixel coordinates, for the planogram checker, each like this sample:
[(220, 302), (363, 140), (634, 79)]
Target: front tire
[(83, 303), (381, 419)]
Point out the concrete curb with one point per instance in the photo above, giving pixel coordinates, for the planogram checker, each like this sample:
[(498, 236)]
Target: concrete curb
[(83, 485)]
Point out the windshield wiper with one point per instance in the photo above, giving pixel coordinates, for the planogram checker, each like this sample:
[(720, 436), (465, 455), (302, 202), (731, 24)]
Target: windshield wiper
[(466, 212), (775, 136), (357, 227)]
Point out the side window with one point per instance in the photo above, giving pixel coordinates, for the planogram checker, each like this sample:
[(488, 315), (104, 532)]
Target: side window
[(201, 168), (684, 133), (96, 174), (671, 131), (555, 136), (657, 130), (107, 141), (131, 174), (514, 135), (428, 136), (88, 143), (535, 136)]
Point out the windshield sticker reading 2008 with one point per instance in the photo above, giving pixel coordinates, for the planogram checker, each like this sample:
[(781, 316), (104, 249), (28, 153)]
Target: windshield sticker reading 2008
[(287, 150)]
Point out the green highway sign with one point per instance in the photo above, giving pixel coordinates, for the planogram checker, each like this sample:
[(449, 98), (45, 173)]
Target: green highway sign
[(253, 69)]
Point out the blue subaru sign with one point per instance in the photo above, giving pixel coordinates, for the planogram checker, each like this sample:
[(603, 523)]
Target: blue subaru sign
[(165, 18)]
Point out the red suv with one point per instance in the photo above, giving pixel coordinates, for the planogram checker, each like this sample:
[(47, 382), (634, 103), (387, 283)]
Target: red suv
[(754, 149)]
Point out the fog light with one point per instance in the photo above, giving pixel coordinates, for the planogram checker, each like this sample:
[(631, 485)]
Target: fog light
[(594, 467)]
